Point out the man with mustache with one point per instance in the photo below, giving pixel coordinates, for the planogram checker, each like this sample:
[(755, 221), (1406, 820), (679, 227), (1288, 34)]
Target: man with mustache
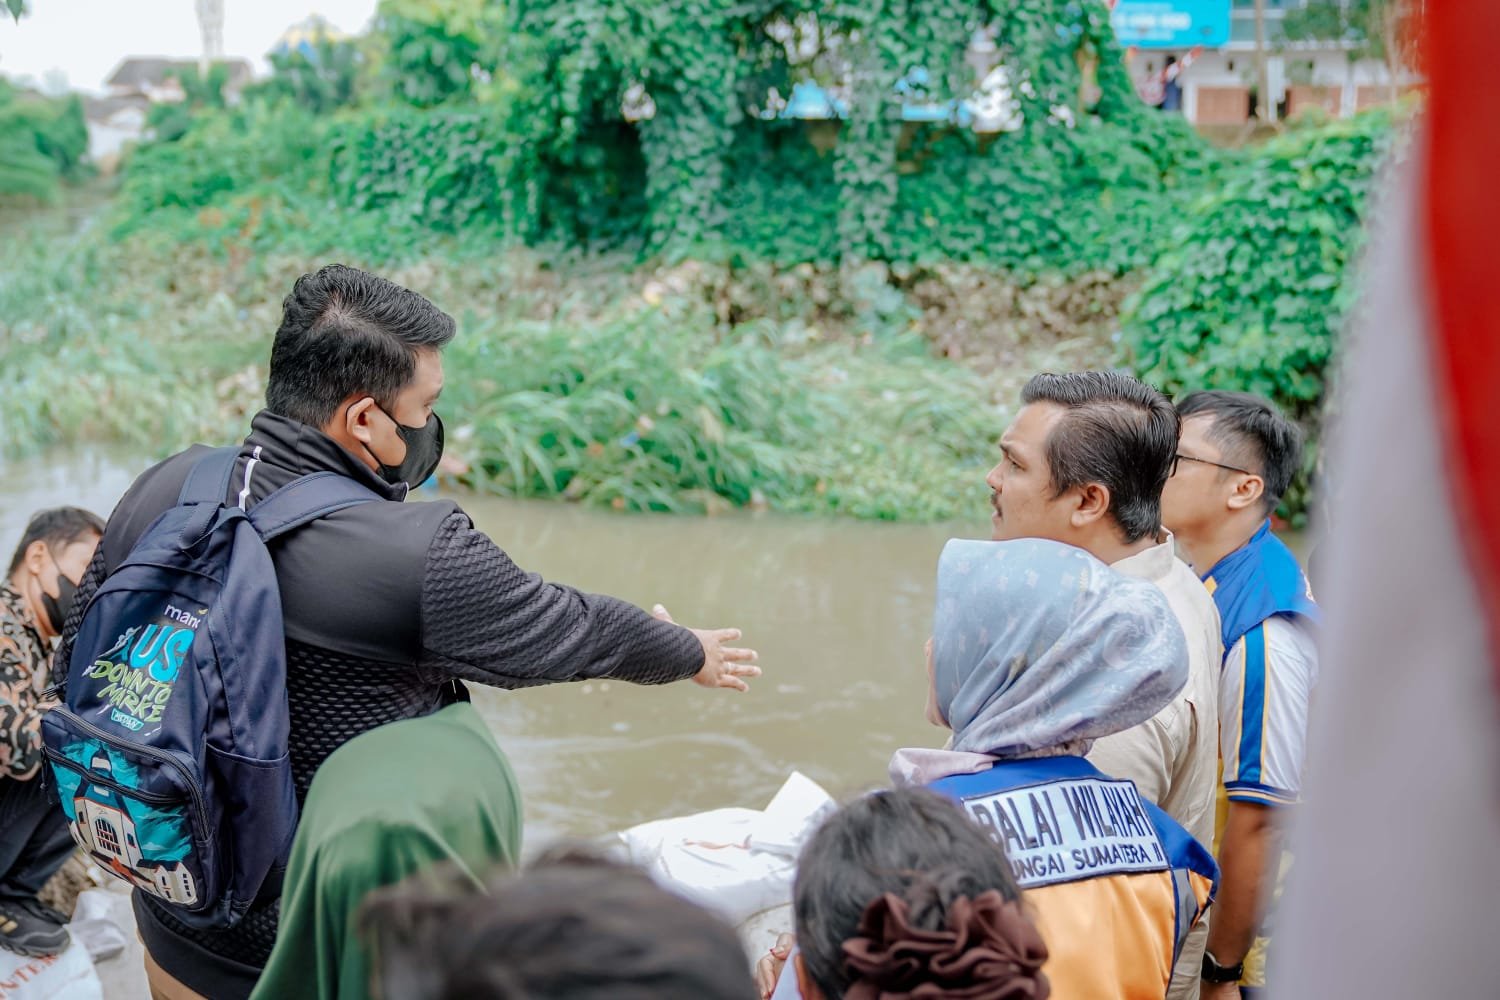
[(1085, 462)]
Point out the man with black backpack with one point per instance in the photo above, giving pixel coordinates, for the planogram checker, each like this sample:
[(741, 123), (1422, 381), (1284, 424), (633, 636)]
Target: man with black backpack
[(386, 608)]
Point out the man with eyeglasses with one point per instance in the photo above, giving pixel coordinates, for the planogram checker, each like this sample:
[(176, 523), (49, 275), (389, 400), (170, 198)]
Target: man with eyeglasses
[(1235, 462), (1084, 463)]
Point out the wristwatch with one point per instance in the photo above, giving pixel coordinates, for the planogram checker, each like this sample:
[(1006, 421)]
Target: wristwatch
[(1213, 972)]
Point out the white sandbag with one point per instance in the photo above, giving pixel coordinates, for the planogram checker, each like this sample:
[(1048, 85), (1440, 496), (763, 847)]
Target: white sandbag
[(94, 925), (738, 862), (68, 976), (793, 814)]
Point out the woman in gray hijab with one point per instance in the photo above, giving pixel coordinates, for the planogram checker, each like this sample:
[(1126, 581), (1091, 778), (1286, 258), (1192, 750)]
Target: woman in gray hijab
[(1038, 649)]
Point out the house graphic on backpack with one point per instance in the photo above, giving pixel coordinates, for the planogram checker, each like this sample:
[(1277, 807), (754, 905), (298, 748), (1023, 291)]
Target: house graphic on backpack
[(103, 827)]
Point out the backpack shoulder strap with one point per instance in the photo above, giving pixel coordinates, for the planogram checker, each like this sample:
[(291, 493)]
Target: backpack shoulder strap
[(304, 500), (208, 479)]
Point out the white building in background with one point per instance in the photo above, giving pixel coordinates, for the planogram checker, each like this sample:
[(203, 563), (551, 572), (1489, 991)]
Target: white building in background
[(113, 122), (138, 82), (154, 78), (1217, 88)]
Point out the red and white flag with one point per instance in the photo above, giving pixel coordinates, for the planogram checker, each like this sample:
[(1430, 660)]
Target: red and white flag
[(1397, 849)]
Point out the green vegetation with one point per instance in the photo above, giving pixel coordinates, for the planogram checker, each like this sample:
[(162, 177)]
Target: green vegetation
[(42, 142), (1371, 29), (320, 81), (638, 413), (202, 91), (518, 133), (90, 348), (605, 393), (1253, 288), (673, 298), (1250, 291)]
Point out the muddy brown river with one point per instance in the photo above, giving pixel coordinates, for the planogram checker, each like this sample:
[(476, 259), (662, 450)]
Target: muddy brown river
[(838, 610)]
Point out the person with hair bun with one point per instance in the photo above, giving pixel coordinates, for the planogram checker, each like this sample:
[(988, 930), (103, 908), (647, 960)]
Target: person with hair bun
[(900, 895)]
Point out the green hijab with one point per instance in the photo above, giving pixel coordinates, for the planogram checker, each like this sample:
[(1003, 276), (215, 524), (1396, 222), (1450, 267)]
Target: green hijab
[(387, 804)]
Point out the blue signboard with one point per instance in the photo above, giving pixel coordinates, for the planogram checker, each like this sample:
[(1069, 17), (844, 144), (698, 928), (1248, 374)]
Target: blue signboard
[(1171, 24)]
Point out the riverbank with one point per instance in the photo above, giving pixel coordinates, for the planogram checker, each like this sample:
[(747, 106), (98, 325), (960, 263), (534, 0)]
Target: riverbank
[(595, 380), (723, 380)]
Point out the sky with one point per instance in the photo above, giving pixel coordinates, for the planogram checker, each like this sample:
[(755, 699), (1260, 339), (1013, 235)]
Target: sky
[(82, 41)]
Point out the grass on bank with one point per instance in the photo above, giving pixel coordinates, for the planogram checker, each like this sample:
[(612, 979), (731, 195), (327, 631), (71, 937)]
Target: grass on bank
[(564, 384)]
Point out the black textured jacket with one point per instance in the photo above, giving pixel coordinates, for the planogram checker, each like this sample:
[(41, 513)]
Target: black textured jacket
[(386, 606)]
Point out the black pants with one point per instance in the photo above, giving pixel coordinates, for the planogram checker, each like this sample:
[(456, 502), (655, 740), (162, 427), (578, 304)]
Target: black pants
[(34, 838)]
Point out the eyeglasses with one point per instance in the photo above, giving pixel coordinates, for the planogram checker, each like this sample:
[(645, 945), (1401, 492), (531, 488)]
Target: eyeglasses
[(1180, 457)]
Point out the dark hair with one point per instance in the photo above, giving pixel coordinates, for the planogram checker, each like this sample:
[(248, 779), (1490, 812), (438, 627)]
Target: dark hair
[(910, 842), (59, 527), (1118, 432), (345, 332), (572, 927), (1251, 433)]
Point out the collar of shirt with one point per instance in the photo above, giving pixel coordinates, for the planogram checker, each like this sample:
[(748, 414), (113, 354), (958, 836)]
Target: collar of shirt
[(1153, 564)]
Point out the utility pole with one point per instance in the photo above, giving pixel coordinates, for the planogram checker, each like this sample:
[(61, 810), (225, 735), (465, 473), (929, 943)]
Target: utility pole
[(1265, 109), (1390, 30), (211, 28)]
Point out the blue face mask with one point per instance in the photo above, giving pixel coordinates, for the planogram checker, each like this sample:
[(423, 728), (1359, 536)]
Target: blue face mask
[(424, 449)]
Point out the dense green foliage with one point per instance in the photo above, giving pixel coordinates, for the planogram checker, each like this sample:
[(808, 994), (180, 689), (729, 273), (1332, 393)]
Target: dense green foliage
[(640, 414), (87, 352), (201, 91), (1251, 292), (432, 50), (1370, 29), (522, 133), (42, 142), (762, 339), (618, 400), (321, 80), (1253, 288), (259, 150)]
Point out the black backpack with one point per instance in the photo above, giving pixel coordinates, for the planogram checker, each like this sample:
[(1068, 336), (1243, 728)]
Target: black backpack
[(170, 748)]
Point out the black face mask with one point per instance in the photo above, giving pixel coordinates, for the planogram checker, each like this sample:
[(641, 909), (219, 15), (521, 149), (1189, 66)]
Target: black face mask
[(424, 449), (56, 608)]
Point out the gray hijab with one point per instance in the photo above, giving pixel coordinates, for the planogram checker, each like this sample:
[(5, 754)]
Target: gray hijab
[(1039, 648)]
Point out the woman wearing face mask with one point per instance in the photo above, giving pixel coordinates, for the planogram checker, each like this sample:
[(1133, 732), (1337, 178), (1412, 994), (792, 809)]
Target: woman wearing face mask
[(1039, 649), (34, 841)]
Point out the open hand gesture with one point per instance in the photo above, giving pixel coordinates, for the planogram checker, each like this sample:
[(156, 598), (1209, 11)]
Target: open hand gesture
[(723, 666)]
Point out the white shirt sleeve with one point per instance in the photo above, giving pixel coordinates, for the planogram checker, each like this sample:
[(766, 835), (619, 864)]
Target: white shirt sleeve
[(1264, 697)]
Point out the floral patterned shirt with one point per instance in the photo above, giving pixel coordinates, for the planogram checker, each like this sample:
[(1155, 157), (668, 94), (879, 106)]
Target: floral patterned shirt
[(23, 676)]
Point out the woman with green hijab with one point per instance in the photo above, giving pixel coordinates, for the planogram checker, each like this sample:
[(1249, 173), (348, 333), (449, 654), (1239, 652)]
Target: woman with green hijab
[(388, 804)]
